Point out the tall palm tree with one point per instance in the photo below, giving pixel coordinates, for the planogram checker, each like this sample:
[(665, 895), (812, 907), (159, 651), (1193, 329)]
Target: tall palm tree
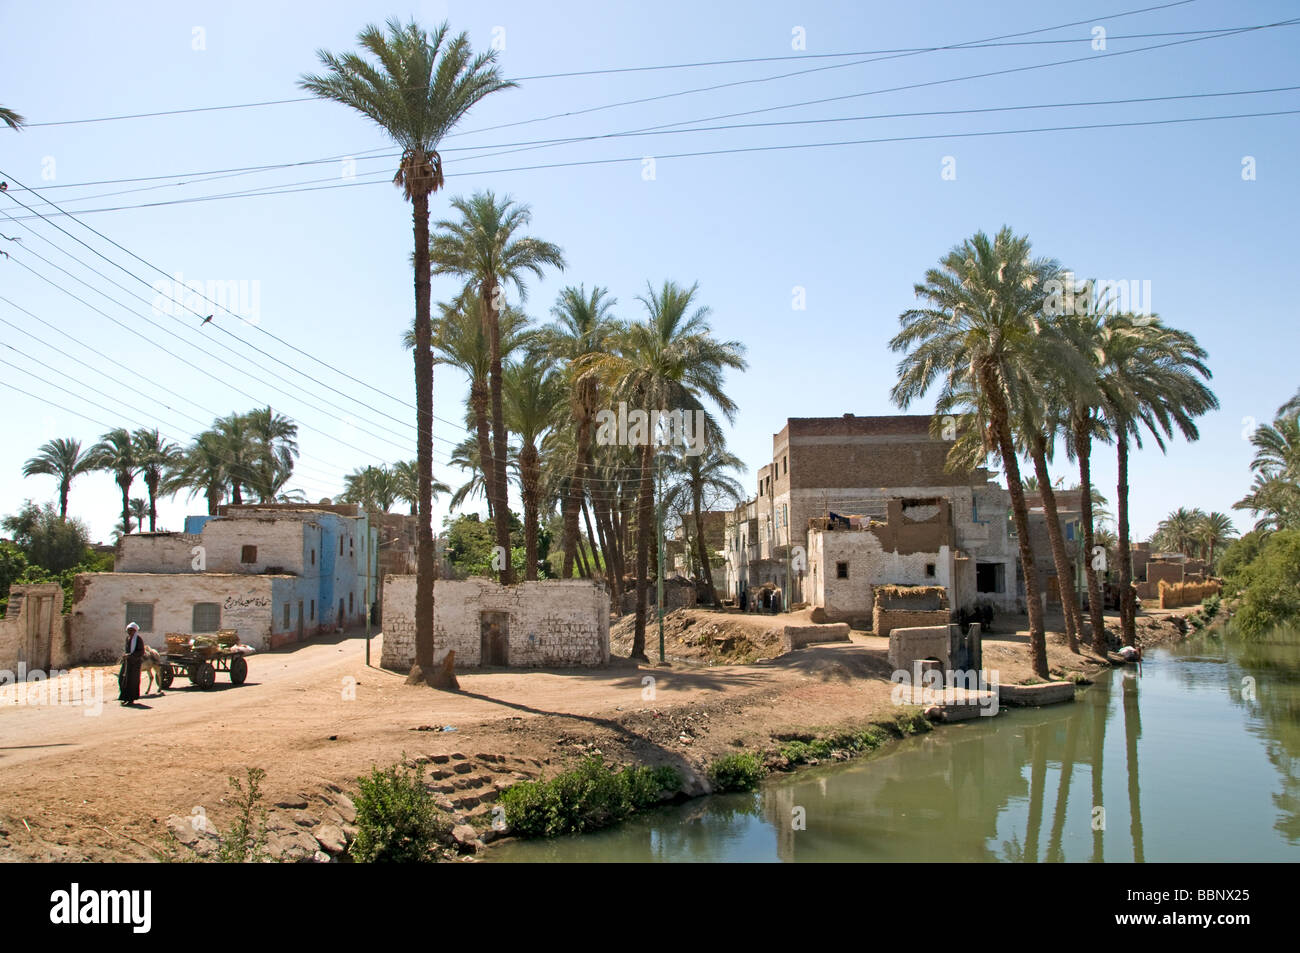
[(485, 248), (670, 361), (416, 92), (202, 469), (979, 332), (156, 457), (531, 394), (62, 458), (11, 119), (116, 454), (1152, 379), (374, 488), (583, 325)]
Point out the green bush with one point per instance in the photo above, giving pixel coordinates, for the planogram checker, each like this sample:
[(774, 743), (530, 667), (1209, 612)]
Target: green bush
[(1270, 586), (736, 772), (590, 797), (397, 821)]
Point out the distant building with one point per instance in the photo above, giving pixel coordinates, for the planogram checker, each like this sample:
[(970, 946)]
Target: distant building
[(275, 573)]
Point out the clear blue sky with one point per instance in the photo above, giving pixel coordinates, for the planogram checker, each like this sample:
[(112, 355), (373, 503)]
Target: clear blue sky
[(855, 225)]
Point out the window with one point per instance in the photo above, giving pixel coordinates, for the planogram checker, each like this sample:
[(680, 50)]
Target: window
[(248, 554), (340, 545), (990, 577), (349, 603), (841, 570), (313, 557), (286, 615), (141, 613), (1069, 531), (313, 610), (206, 617), (785, 465), (929, 570)]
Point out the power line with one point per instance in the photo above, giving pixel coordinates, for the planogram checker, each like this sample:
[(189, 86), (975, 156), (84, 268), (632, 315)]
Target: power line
[(988, 43), (633, 133), (222, 307), (703, 153)]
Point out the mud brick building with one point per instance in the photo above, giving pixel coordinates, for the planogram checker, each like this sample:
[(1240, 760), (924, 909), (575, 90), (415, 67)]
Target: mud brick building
[(858, 468), (552, 623)]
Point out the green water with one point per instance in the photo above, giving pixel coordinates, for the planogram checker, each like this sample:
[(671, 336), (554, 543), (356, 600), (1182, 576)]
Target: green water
[(1197, 759)]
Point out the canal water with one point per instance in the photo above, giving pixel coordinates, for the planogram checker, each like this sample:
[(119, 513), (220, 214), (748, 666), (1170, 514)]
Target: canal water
[(1196, 759)]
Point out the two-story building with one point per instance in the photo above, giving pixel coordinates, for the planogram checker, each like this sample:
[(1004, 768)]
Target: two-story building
[(275, 573)]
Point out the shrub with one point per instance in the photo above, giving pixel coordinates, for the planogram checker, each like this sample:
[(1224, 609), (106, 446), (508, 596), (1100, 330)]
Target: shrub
[(397, 821), (736, 772), (590, 797), (245, 840), (1270, 586)]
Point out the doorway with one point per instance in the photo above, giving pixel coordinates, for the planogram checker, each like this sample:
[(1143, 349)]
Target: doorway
[(494, 638)]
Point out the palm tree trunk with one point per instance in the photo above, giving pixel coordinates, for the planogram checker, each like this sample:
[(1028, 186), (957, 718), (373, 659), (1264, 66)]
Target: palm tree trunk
[(530, 472), (425, 558), (989, 380), (65, 486), (591, 537), (1132, 730), (478, 401), (706, 571), (152, 486), (1096, 608), (126, 506), (501, 505), (644, 531), (575, 496), (1127, 595), (1064, 569)]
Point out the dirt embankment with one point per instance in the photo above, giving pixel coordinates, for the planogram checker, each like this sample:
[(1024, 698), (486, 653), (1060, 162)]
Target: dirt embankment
[(127, 783)]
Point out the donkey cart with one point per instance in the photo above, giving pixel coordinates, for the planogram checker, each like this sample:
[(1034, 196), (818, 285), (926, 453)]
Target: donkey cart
[(199, 661)]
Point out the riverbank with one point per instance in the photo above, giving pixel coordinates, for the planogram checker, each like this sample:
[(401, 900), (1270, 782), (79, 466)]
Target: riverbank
[(126, 784)]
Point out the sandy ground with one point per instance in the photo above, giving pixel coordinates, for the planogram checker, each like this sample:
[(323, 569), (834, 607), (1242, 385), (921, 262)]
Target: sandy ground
[(84, 783)]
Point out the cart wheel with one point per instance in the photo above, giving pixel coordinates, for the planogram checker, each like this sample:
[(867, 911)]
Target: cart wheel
[(165, 676), (205, 676), (238, 670)]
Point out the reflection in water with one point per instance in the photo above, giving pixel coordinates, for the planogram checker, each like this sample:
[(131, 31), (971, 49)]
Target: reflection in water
[(1214, 728)]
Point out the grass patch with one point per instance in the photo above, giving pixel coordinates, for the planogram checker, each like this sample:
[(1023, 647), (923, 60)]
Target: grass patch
[(736, 772), (592, 796), (806, 749)]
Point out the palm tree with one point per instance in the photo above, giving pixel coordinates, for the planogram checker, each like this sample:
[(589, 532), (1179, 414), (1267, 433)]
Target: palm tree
[(1151, 379), (116, 454), (583, 325), (11, 118), (460, 340), (979, 333), (202, 468), (1179, 531), (486, 250), (669, 361), (156, 457), (62, 458), (700, 476), (1275, 495), (416, 93), (139, 511), (1215, 530), (242, 451), (276, 442), (406, 477), (532, 393)]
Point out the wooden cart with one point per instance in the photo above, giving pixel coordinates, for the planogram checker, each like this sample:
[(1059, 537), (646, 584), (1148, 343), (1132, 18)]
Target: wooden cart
[(200, 663)]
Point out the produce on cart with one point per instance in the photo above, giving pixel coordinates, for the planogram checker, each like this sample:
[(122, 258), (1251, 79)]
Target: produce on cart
[(200, 657)]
